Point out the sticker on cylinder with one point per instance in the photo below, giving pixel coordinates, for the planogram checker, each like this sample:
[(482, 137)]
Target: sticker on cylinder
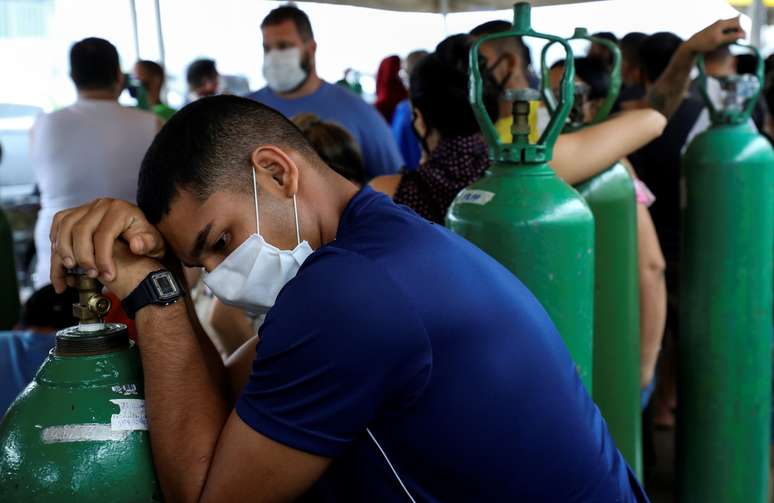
[(131, 415), (125, 389), (474, 196), (88, 432)]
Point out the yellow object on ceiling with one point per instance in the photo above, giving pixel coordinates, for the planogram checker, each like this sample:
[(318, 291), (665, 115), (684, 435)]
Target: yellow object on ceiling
[(747, 3)]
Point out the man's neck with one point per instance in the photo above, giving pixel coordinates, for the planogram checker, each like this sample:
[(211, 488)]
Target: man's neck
[(332, 202), (154, 98), (97, 94), (311, 85)]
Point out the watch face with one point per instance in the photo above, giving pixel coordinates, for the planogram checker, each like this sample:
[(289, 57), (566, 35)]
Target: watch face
[(165, 284)]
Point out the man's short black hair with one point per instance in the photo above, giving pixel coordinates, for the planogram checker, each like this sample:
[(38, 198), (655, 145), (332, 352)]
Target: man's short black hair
[(630, 46), (745, 63), (595, 74), (655, 53), (199, 70), (496, 26), (439, 89), (499, 26), (607, 35), (290, 13), (47, 309), (206, 147), (153, 68), (559, 63), (94, 64)]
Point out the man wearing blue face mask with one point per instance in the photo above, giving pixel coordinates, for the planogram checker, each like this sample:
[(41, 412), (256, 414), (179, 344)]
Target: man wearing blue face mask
[(293, 87), (397, 362)]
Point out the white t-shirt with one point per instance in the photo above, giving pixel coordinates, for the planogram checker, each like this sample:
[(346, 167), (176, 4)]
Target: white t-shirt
[(90, 149)]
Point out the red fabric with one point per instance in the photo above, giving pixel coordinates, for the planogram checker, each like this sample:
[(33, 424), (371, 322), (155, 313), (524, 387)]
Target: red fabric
[(118, 315), (389, 88)]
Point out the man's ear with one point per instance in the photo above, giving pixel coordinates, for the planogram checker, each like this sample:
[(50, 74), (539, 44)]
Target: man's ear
[(275, 171)]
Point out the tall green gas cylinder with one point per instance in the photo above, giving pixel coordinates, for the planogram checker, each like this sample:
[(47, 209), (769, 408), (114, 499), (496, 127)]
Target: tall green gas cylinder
[(10, 306), (78, 432), (528, 219), (612, 200), (724, 348)]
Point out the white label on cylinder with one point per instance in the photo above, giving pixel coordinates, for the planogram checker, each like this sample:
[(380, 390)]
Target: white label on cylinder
[(131, 415), (473, 196), (87, 432)]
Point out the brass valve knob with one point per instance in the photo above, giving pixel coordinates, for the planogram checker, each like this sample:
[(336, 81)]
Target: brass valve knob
[(521, 109), (92, 306), (99, 305)]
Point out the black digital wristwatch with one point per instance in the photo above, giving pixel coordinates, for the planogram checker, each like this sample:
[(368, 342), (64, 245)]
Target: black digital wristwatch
[(159, 288)]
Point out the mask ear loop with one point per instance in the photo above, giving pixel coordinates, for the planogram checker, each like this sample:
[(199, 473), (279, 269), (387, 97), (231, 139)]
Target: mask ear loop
[(295, 213), (255, 195)]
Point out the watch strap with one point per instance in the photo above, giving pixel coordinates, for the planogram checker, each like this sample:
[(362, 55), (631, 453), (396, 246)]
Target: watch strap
[(145, 293)]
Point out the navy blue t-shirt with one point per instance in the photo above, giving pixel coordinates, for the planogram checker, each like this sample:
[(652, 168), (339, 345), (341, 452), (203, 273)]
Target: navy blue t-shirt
[(414, 359)]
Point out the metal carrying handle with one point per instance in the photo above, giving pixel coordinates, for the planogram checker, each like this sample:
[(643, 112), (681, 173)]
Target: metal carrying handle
[(521, 150), (615, 75), (731, 117)]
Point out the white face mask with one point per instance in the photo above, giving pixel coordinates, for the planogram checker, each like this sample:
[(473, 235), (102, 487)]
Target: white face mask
[(252, 276), (543, 118), (282, 69)]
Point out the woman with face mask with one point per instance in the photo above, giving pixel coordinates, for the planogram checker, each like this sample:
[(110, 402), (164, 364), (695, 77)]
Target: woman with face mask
[(454, 153)]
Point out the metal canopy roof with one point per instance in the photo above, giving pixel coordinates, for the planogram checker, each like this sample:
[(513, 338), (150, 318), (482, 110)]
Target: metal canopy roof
[(442, 6)]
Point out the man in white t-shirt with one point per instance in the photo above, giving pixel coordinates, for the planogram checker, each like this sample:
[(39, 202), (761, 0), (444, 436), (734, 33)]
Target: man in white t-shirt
[(92, 148)]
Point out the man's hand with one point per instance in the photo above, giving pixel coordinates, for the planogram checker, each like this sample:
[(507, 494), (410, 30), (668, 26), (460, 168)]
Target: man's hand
[(722, 32), (95, 237)]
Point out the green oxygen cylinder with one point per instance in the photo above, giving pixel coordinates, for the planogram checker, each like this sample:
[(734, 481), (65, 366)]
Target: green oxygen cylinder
[(9, 293), (78, 432), (528, 219), (612, 200), (724, 348)]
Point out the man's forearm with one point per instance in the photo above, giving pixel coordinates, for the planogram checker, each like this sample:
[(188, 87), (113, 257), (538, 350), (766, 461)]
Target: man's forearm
[(211, 354), (185, 405), (666, 94), (613, 139)]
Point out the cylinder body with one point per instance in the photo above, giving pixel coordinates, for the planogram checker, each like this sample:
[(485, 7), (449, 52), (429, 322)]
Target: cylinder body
[(724, 348), (541, 230), (616, 371), (78, 433)]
